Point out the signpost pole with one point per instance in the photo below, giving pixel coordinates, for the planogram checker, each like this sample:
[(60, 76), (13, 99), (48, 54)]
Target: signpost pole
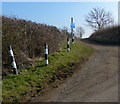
[(72, 26)]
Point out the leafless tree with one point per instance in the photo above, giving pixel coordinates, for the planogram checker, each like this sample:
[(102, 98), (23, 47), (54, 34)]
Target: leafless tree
[(64, 29), (80, 31), (98, 18)]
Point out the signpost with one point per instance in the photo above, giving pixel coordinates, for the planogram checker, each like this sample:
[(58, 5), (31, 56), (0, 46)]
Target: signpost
[(72, 25)]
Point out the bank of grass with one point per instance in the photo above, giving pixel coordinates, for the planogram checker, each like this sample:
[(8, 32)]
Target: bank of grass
[(32, 80)]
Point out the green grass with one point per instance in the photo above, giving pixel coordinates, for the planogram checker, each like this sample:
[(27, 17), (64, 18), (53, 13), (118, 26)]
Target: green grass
[(33, 79), (0, 91)]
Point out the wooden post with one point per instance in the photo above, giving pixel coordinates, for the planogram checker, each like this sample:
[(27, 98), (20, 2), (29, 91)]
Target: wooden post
[(14, 66), (68, 44), (46, 54)]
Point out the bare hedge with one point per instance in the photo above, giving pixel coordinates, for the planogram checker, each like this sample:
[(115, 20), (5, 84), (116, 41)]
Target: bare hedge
[(27, 39)]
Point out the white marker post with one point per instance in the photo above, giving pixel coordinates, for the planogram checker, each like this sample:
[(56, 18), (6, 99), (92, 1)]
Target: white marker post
[(14, 66), (46, 54), (68, 44)]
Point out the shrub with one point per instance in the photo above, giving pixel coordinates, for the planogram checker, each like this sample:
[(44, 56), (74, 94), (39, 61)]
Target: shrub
[(109, 35)]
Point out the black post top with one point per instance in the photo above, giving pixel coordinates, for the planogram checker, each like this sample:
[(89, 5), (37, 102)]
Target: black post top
[(9, 47)]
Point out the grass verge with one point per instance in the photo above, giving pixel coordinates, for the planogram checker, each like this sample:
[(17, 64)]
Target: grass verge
[(32, 80)]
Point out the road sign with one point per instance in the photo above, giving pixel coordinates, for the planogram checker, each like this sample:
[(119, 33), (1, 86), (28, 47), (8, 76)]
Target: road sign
[(72, 25)]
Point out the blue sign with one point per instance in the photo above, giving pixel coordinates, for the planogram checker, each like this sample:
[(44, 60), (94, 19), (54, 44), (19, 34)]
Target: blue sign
[(72, 25)]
